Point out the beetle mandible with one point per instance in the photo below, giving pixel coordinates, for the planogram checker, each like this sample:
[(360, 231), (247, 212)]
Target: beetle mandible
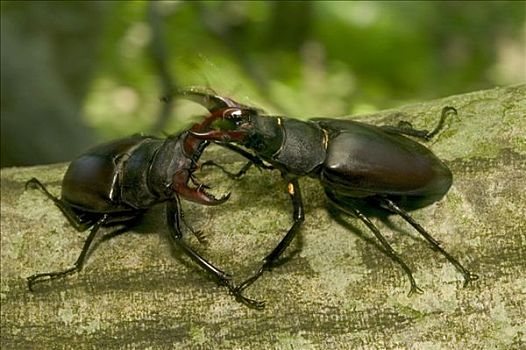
[(354, 162), (116, 182)]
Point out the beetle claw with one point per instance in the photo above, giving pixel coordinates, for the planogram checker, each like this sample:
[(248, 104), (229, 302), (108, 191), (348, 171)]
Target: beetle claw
[(469, 277), (223, 199), (213, 200), (252, 303), (210, 101), (415, 290)]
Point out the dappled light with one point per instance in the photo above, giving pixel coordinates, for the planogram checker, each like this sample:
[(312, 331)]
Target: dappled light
[(104, 66)]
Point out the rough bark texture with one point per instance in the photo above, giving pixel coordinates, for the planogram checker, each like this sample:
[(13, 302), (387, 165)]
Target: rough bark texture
[(338, 292)]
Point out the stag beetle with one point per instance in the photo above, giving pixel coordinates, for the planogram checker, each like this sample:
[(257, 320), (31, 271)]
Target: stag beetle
[(354, 162), (116, 182)]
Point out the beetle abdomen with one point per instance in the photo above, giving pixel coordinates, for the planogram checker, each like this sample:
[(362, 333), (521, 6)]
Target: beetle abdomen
[(362, 160), (91, 181)]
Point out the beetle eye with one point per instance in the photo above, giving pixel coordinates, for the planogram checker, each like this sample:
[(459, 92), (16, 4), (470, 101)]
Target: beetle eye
[(234, 114), (234, 119)]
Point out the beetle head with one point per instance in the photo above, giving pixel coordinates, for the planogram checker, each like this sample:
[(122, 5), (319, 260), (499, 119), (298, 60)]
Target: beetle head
[(229, 125), (232, 122)]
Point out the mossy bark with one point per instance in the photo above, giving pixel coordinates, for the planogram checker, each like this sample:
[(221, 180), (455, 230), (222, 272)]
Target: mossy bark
[(339, 291)]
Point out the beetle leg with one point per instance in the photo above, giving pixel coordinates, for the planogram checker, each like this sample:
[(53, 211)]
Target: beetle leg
[(197, 183), (391, 206), (252, 160), (31, 280), (197, 233), (77, 221), (293, 189), (405, 128), (445, 112), (349, 209), (232, 175), (173, 217)]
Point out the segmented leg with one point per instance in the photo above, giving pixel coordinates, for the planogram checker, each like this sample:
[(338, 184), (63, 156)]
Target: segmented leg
[(391, 206), (298, 217), (347, 207), (31, 280), (173, 216), (232, 175), (81, 223), (76, 220), (252, 160), (405, 128)]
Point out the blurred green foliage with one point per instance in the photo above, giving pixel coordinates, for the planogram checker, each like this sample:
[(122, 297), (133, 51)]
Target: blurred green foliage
[(299, 58)]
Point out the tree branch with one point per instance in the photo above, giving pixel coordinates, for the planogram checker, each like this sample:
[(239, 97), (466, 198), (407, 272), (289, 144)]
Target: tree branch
[(338, 292)]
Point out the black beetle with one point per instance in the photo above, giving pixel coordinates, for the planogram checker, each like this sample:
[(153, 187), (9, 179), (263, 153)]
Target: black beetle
[(355, 163), (116, 182)]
